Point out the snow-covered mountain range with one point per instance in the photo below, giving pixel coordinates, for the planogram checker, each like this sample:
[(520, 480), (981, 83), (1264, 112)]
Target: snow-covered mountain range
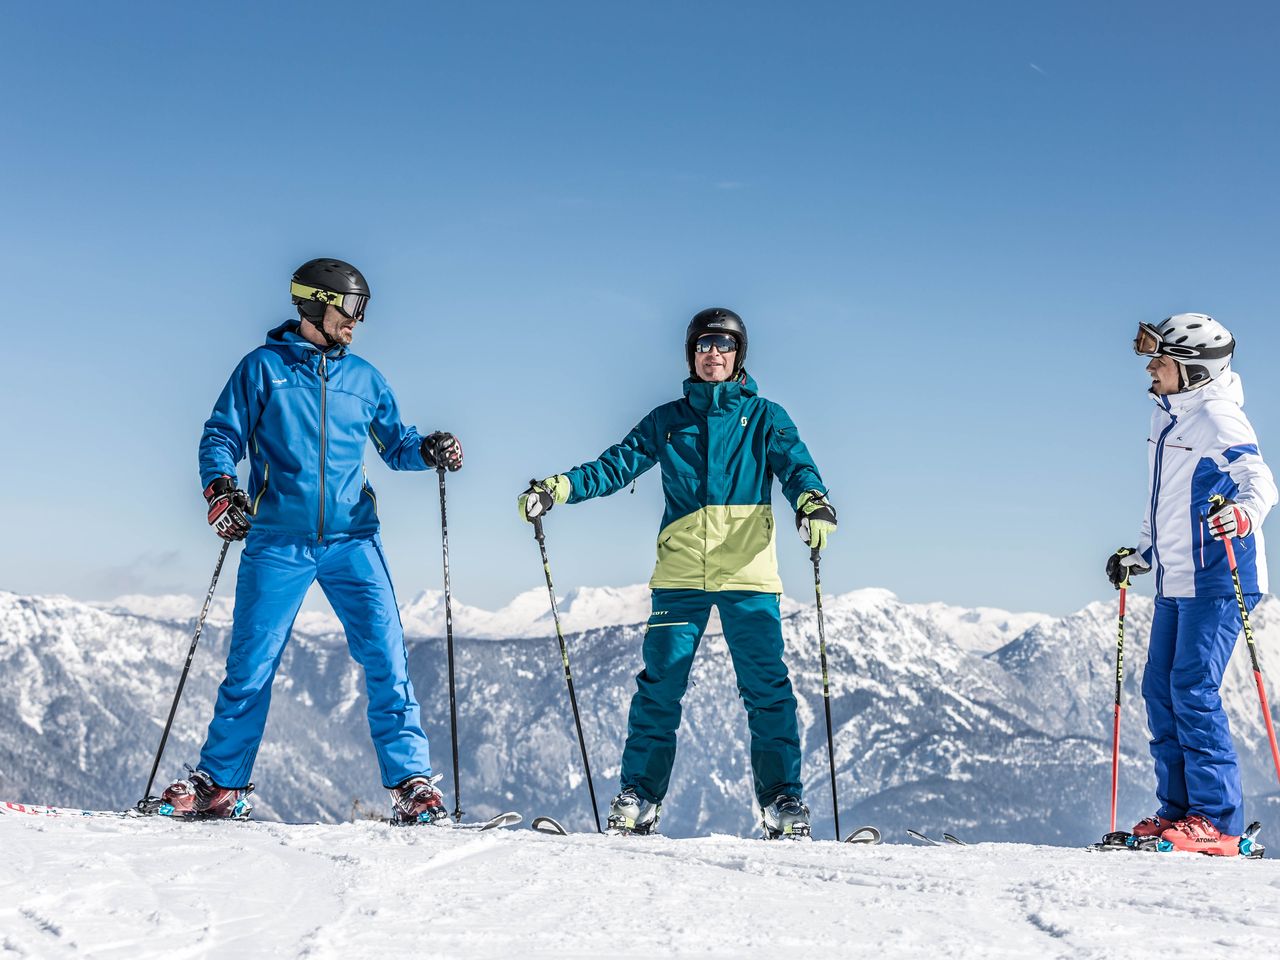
[(982, 721)]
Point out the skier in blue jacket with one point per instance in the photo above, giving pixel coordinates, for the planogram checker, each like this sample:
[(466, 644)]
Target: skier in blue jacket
[(302, 408), (1201, 445), (719, 448)]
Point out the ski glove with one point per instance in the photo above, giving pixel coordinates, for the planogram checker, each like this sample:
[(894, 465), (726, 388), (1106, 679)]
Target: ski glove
[(442, 449), (228, 508), (1125, 563), (815, 519), (1228, 520), (541, 496)]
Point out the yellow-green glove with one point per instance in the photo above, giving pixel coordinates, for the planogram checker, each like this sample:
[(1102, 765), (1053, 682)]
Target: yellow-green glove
[(815, 519), (541, 496)]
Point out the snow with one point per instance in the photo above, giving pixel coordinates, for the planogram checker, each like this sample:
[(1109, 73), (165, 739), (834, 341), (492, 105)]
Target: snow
[(151, 888)]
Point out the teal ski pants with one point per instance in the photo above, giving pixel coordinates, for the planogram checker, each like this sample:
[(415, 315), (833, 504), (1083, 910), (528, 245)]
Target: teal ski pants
[(753, 631)]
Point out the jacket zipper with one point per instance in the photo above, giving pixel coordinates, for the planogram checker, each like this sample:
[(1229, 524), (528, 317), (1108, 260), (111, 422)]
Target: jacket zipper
[(1155, 501), (324, 379)]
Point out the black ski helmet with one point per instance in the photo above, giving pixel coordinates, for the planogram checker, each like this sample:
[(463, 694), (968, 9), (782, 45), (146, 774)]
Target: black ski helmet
[(716, 320), (320, 282)]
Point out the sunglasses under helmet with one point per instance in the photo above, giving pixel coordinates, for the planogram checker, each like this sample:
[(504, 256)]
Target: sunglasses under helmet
[(716, 320)]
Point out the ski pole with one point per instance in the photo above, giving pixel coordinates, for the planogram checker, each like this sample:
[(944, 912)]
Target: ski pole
[(448, 632), (1248, 635), (816, 556), (1115, 737), (564, 657), (182, 681)]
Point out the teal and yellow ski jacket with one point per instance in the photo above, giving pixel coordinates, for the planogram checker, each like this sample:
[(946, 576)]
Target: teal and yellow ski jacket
[(720, 448)]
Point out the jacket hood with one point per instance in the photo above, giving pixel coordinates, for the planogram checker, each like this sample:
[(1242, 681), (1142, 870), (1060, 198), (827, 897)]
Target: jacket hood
[(1227, 387)]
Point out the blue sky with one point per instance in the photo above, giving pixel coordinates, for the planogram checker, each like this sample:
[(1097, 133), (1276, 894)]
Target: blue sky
[(941, 223)]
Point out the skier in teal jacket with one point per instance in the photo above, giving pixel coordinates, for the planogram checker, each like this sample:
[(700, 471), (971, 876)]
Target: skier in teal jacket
[(719, 448)]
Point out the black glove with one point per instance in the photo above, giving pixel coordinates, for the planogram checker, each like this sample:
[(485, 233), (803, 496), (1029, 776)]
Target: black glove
[(228, 508), (442, 449), (1123, 564)]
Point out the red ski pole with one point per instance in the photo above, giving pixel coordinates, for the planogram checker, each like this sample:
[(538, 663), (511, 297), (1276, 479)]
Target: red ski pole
[(1115, 737), (1253, 653)]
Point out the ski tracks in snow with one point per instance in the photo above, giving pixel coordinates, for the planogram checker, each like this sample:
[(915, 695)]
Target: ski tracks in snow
[(138, 889)]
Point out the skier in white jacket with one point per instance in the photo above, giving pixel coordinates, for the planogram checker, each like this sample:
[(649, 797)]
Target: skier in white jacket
[(1201, 445)]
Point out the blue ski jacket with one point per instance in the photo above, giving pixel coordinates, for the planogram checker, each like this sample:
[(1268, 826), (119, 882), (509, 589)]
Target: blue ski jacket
[(719, 447), (303, 416)]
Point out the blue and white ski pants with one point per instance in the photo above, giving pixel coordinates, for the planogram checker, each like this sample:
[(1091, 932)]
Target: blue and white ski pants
[(753, 631), (1197, 770), (275, 574)]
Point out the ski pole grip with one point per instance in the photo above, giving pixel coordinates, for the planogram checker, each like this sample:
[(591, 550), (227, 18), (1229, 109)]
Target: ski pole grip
[(814, 554)]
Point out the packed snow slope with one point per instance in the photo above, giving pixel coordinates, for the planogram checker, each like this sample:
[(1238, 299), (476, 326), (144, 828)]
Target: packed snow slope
[(995, 726), (120, 890)]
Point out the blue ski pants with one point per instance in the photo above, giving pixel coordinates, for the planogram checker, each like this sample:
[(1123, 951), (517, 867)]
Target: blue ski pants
[(753, 631), (275, 574), (1197, 770)]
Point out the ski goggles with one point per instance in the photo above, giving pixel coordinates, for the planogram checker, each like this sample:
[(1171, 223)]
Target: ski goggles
[(1148, 341), (351, 304), (721, 341)]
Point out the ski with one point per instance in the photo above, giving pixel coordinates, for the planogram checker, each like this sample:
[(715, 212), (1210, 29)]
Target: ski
[(952, 838), (508, 819), (927, 840), (867, 835), (9, 808), (549, 825), (1122, 841)]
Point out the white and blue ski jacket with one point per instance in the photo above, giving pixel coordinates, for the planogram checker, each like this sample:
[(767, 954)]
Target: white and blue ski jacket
[(1202, 443)]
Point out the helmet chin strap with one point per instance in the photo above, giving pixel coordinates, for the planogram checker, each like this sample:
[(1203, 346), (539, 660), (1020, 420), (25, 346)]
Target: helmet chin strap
[(318, 323), (329, 341)]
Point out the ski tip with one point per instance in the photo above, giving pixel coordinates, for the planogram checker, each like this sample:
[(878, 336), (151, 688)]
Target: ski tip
[(868, 835), (923, 838), (952, 838), (548, 825), (508, 819)]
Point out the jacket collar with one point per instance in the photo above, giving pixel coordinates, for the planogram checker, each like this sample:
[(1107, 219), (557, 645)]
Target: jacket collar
[(718, 397), (287, 333), (1227, 387)]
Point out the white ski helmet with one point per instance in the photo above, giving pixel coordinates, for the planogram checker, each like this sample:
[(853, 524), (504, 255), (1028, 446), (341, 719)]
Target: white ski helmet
[(1200, 345)]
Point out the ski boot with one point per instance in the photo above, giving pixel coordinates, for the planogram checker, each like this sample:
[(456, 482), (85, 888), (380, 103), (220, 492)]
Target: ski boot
[(1197, 835), (199, 798), (418, 801), (629, 814), (1152, 826), (786, 817)]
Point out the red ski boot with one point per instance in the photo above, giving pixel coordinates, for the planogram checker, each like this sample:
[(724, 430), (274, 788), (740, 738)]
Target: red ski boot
[(199, 798), (1152, 826), (1197, 835), (418, 801)]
